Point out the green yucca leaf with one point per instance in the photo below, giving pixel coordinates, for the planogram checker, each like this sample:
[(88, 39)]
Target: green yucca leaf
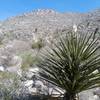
[(72, 62)]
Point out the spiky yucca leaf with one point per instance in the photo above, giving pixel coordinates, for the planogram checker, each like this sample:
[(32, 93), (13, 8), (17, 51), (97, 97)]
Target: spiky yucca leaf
[(73, 63)]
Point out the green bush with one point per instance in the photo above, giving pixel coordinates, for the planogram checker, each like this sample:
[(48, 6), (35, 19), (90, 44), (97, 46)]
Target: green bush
[(7, 75), (38, 45), (28, 60), (9, 85)]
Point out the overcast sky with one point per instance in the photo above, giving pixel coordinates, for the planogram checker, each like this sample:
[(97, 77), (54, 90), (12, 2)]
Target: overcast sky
[(10, 8)]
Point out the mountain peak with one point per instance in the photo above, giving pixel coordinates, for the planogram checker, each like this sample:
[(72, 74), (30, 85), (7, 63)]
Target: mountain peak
[(44, 11)]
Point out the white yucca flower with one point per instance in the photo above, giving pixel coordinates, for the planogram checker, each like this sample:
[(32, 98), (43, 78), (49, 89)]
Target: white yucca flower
[(75, 28)]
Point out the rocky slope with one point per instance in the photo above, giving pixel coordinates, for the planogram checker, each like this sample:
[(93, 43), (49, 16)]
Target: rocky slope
[(42, 22), (23, 37)]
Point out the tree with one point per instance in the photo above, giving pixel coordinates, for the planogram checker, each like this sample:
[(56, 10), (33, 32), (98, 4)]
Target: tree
[(72, 64)]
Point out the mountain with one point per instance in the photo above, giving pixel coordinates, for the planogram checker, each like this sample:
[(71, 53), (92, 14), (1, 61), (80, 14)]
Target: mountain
[(23, 37), (43, 22)]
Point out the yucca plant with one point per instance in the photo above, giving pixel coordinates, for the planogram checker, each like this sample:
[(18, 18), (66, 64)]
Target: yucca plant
[(72, 64)]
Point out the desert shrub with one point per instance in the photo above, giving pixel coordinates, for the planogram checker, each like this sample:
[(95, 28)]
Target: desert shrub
[(8, 34), (9, 85), (28, 60), (1, 42), (7, 75), (38, 45)]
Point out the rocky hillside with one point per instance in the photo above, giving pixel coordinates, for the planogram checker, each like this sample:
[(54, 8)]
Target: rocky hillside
[(42, 22), (45, 22), (23, 37)]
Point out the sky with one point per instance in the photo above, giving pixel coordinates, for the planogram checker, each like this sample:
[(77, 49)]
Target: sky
[(10, 8)]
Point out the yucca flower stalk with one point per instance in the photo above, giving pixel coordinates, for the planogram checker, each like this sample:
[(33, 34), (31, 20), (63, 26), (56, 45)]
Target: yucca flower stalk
[(72, 64)]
